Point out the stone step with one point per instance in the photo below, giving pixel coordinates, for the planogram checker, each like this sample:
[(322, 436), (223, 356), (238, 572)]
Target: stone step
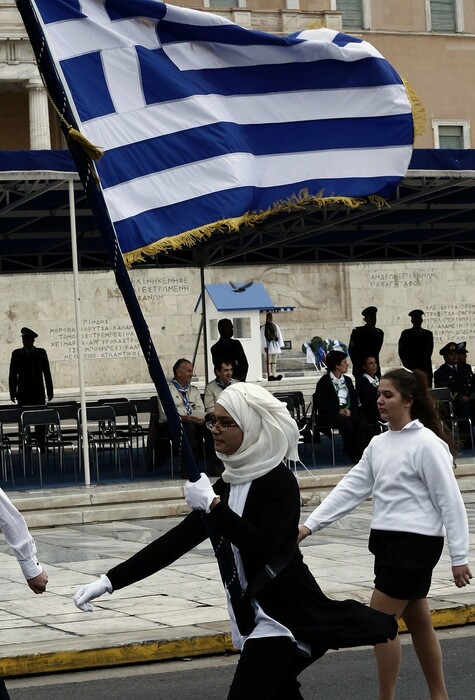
[(117, 502)]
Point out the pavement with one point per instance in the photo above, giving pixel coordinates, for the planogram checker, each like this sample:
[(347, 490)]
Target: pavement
[(179, 612)]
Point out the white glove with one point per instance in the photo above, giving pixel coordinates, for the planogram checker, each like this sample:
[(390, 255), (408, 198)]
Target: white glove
[(199, 494), (91, 591)]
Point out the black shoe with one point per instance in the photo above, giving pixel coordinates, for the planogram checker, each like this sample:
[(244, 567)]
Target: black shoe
[(278, 378), (271, 378)]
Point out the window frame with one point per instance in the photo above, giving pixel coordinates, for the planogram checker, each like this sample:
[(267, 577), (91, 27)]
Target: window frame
[(464, 123), (366, 11), (459, 18)]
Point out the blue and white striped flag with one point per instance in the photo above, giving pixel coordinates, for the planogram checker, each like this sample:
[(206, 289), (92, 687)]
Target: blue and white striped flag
[(204, 123)]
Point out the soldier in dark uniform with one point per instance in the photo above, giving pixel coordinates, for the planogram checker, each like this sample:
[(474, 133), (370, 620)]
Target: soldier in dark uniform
[(29, 372), (448, 375), (227, 348), (365, 341), (467, 376), (416, 345)]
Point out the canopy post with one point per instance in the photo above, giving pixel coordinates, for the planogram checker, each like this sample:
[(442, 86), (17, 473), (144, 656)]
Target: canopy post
[(77, 310)]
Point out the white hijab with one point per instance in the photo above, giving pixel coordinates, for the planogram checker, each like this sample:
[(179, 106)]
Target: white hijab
[(270, 434)]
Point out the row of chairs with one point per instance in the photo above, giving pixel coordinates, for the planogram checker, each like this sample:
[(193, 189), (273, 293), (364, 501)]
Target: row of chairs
[(443, 399), (44, 433)]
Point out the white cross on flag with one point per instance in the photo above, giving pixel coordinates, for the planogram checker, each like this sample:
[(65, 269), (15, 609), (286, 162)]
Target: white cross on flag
[(205, 124)]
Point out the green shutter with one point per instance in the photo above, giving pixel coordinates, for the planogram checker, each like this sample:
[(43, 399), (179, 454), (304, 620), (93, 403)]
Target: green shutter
[(352, 13), (442, 15), (223, 3)]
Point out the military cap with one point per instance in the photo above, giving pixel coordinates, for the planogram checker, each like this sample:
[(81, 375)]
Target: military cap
[(369, 311), (416, 312), (462, 348), (450, 347), (28, 331)]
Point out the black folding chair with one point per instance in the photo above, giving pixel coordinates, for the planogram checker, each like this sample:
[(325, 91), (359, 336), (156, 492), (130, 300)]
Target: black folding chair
[(445, 405), (53, 439), (124, 408), (103, 437)]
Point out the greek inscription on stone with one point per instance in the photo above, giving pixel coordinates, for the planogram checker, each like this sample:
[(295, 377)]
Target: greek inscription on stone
[(101, 339), (450, 322), (154, 288), (402, 279)]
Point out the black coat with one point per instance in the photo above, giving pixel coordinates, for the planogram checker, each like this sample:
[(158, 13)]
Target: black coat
[(326, 399), (467, 378), (365, 341), (451, 378), (268, 526), (368, 395), (231, 350), (415, 349), (29, 372)]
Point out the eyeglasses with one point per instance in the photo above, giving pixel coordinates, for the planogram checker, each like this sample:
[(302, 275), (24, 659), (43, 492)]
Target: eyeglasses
[(214, 423)]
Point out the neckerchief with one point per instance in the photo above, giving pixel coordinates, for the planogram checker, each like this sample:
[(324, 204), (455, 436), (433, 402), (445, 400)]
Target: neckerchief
[(184, 395), (374, 381), (341, 389)]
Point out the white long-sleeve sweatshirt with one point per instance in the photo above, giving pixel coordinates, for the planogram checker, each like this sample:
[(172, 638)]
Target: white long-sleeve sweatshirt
[(410, 476), (17, 535)]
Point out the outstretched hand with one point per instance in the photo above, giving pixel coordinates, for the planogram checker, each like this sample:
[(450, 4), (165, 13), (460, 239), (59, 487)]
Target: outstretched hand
[(462, 575), (38, 583), (90, 591)]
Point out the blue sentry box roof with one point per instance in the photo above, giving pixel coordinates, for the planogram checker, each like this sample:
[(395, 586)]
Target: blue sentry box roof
[(225, 298)]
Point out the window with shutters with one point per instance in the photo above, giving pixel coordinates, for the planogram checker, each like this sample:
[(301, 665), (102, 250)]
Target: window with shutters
[(451, 134), (445, 15), (353, 17), (222, 3)]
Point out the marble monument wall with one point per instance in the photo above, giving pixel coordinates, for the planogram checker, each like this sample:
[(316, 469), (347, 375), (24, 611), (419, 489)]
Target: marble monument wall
[(328, 300)]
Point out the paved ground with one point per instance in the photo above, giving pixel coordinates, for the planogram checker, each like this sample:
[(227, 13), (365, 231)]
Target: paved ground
[(178, 612)]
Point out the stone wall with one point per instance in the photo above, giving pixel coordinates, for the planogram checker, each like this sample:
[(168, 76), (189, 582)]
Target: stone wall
[(328, 300)]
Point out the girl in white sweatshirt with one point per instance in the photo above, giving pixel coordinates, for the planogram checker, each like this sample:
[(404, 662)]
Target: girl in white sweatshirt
[(408, 471)]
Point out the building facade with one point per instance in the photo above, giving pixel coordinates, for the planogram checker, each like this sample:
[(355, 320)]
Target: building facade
[(430, 43)]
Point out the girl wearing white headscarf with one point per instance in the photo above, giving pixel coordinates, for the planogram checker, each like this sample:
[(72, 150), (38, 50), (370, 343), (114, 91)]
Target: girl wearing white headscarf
[(255, 507)]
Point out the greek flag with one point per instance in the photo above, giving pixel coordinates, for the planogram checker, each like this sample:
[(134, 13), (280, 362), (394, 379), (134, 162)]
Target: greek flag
[(207, 125)]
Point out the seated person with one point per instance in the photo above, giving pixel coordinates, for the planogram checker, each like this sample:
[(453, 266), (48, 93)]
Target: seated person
[(224, 377), (448, 375), (367, 390), (337, 405), (191, 410), (468, 378)]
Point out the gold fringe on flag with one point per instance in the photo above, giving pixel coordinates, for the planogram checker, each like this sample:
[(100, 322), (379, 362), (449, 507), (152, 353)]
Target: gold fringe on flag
[(418, 110), (232, 225)]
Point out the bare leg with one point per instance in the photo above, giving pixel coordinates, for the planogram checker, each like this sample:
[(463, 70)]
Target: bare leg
[(388, 655), (426, 644)]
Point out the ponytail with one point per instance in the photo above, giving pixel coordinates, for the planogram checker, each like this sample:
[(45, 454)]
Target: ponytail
[(423, 407)]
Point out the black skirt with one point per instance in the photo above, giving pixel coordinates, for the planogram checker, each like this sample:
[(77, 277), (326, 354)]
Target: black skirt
[(403, 562)]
